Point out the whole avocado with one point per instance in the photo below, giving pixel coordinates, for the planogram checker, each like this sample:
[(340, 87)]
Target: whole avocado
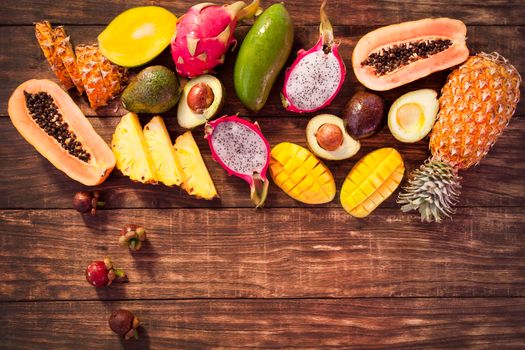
[(155, 89), (262, 55)]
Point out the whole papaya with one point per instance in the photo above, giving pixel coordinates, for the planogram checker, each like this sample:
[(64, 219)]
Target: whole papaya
[(262, 55)]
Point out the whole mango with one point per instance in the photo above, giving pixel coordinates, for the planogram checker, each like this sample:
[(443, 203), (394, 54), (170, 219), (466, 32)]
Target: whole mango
[(262, 56)]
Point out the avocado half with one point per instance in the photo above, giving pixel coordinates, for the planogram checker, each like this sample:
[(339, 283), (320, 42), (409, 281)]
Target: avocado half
[(347, 146), (189, 118)]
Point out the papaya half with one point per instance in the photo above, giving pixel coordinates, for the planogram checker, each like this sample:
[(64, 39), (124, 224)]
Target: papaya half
[(398, 54), (47, 117)]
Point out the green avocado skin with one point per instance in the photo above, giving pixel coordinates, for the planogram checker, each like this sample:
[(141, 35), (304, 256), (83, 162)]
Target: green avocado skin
[(262, 55), (155, 89)]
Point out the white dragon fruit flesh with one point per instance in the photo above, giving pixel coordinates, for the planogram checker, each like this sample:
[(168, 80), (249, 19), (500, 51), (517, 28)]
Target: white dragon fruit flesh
[(205, 33), (317, 75), (242, 150)]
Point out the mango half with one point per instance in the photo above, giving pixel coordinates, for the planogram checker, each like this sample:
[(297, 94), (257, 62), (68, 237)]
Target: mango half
[(300, 174), (372, 180)]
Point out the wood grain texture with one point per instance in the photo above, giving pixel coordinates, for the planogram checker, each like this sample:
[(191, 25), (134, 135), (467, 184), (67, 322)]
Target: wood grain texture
[(23, 62), (272, 324), (243, 253), (356, 12), (497, 181)]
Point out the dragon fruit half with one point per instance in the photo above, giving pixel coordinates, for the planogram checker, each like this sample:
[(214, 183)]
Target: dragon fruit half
[(240, 148), (204, 34), (316, 76)]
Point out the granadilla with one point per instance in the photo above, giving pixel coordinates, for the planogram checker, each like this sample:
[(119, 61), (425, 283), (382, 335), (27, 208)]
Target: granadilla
[(124, 323), (132, 236), (102, 273), (476, 104), (87, 202)]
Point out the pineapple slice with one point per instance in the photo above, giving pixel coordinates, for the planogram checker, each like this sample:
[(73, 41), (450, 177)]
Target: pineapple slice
[(65, 51), (131, 150), (197, 179), (300, 174), (45, 36), (167, 166)]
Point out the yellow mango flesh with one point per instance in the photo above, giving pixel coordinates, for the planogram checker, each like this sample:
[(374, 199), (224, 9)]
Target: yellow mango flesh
[(300, 174), (372, 180)]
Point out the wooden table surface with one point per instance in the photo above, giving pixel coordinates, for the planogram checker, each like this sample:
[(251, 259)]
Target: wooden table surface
[(221, 274)]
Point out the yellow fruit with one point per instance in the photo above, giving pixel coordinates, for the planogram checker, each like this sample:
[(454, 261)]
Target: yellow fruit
[(372, 180), (131, 151), (137, 35), (197, 179), (476, 104), (167, 166), (300, 174)]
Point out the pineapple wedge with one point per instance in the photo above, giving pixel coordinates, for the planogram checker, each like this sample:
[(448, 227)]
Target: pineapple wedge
[(131, 151), (167, 165), (197, 179)]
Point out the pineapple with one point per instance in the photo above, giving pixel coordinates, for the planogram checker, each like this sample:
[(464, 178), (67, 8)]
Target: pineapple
[(65, 52), (300, 174), (87, 61), (112, 75), (167, 165), (476, 104), (131, 151), (371, 181), (45, 36), (197, 179)]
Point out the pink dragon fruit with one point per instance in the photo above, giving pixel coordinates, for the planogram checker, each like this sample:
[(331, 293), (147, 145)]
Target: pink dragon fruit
[(240, 148), (317, 75), (205, 33)]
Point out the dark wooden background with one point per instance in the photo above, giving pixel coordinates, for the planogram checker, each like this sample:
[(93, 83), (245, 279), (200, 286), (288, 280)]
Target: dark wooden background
[(221, 274)]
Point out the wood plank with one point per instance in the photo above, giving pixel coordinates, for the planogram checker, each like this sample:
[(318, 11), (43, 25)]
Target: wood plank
[(23, 62), (29, 181), (243, 253), (471, 323), (356, 12)]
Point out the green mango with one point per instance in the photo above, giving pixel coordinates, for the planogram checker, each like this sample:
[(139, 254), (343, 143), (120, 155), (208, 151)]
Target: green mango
[(262, 55)]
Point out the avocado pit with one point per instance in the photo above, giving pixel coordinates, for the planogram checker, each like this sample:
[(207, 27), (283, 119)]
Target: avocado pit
[(200, 97), (329, 137)]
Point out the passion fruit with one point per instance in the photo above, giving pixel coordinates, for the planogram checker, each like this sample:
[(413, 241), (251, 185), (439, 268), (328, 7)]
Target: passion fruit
[(364, 114), (328, 139)]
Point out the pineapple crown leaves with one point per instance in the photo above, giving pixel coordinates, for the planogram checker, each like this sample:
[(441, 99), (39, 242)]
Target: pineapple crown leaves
[(433, 190)]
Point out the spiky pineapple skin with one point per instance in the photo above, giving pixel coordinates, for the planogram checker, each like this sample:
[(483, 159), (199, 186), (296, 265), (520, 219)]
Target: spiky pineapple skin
[(476, 104)]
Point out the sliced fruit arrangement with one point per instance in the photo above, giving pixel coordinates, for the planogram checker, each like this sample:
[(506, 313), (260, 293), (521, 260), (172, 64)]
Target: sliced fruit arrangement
[(85, 67), (412, 115), (476, 104), (401, 53), (205, 33), (202, 99), (262, 55), (241, 149), (328, 139), (197, 179), (132, 152), (372, 180), (149, 157), (317, 75), (47, 117), (299, 173), (364, 114), (155, 89), (138, 35), (167, 166)]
